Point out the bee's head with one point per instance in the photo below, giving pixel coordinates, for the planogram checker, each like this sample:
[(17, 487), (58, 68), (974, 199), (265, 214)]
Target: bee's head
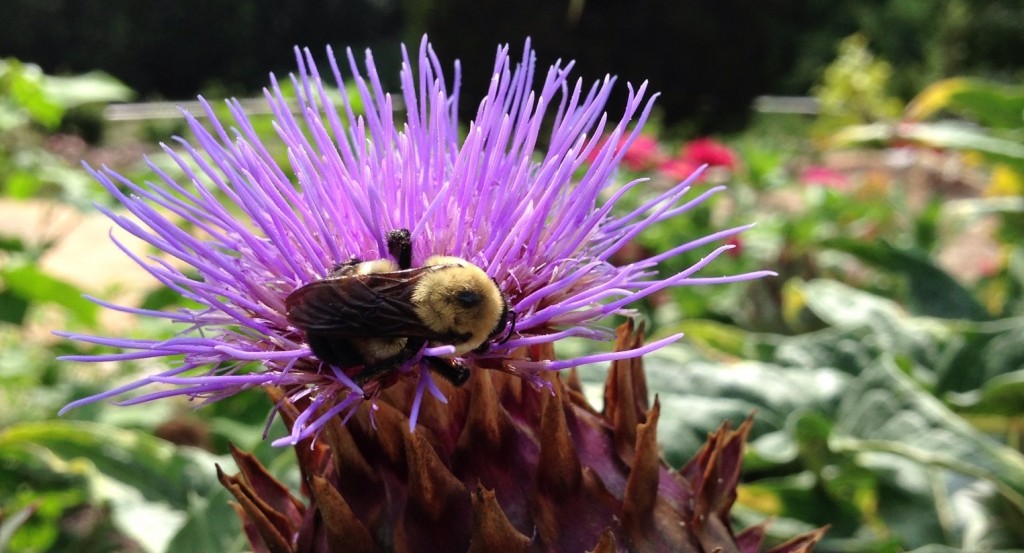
[(458, 298)]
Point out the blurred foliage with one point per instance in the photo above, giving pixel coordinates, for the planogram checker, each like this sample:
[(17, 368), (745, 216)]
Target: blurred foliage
[(33, 104), (884, 364), (854, 88)]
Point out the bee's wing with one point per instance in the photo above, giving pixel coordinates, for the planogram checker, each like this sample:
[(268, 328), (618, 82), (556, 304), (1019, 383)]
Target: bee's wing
[(371, 305)]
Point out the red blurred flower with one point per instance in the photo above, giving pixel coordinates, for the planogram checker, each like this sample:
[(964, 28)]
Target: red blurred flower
[(709, 151), (644, 153)]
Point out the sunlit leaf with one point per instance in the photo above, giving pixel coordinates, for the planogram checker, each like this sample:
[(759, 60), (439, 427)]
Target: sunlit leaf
[(713, 337), (960, 136), (952, 135), (22, 184), (88, 88), (24, 84)]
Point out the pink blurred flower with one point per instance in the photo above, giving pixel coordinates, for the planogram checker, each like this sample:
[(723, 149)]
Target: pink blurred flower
[(643, 153), (679, 168), (737, 243), (819, 175)]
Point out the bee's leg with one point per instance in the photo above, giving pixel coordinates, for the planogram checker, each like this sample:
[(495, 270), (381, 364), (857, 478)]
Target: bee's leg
[(512, 316), (452, 370), (400, 247), (373, 372)]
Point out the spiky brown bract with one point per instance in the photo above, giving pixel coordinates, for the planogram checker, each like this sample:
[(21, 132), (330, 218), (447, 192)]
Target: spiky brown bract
[(505, 467)]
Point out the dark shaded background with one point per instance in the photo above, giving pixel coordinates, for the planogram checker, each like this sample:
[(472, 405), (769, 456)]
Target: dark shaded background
[(709, 58)]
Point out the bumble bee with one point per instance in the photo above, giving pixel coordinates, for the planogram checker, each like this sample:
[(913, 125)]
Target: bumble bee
[(374, 315)]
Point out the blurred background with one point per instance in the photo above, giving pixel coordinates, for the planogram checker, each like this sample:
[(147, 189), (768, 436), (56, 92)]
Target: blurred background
[(879, 144), (709, 59)]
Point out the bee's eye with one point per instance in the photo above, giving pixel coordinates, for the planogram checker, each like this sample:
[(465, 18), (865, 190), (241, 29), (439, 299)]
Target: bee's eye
[(468, 298)]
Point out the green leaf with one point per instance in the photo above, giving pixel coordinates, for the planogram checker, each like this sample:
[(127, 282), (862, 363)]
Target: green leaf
[(843, 348), (957, 135), (905, 496), (878, 324), (933, 292), (22, 184), (975, 353), (939, 548), (1002, 395), (27, 281), (13, 308), (161, 298), (154, 467), (800, 496)]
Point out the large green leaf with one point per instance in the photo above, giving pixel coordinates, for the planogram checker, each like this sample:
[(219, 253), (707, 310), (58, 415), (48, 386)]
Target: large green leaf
[(846, 348), (951, 355), (714, 338), (932, 291), (818, 397), (878, 325), (150, 485), (210, 525), (697, 396), (884, 413)]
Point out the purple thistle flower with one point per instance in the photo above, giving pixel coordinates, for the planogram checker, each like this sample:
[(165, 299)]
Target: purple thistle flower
[(539, 222)]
